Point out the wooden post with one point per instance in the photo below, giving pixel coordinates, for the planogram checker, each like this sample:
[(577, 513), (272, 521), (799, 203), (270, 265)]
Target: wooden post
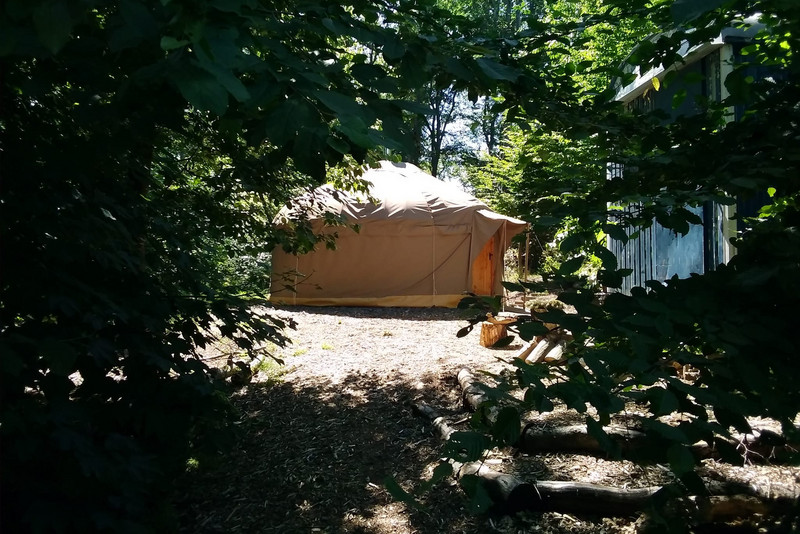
[(525, 269)]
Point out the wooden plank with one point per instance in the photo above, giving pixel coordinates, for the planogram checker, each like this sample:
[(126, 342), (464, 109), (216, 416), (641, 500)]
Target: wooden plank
[(483, 270)]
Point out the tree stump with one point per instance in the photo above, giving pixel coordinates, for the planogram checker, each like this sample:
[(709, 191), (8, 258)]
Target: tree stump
[(492, 333)]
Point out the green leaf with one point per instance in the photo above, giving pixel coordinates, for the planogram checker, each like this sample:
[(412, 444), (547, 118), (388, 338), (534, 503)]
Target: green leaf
[(341, 104), (497, 71), (571, 265), (228, 6), (440, 472), (228, 80), (11, 364), (531, 329), (286, 119), (53, 25), (680, 459), (687, 10), (480, 501), (513, 286), (664, 430), (576, 298), (454, 66), (662, 401), (595, 430), (171, 43), (202, 90), (572, 242), (728, 418), (393, 49), (507, 427), (608, 259), (466, 446), (503, 342), (400, 494), (338, 144), (60, 356)]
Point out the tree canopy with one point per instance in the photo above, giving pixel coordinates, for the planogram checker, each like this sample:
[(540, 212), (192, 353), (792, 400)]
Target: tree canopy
[(143, 144), (733, 323)]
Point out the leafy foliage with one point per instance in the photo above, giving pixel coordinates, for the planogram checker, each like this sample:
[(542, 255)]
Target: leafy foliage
[(145, 149), (734, 324)]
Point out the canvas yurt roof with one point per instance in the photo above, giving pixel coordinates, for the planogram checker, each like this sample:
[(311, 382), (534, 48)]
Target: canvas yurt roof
[(423, 242)]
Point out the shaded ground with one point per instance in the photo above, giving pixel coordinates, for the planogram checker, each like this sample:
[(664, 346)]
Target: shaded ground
[(316, 444)]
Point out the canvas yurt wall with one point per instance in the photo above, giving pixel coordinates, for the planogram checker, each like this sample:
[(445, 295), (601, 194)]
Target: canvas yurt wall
[(424, 243)]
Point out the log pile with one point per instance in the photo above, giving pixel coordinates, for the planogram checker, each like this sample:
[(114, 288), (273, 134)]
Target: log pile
[(511, 494), (548, 348)]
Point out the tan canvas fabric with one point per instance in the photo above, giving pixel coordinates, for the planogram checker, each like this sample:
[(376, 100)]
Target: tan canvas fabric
[(416, 247)]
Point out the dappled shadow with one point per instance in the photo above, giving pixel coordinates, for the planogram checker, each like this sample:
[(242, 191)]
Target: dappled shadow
[(315, 457)]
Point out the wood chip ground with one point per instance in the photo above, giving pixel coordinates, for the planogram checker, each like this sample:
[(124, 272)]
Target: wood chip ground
[(316, 444)]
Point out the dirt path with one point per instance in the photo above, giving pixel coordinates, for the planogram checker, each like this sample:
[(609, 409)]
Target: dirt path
[(316, 445)]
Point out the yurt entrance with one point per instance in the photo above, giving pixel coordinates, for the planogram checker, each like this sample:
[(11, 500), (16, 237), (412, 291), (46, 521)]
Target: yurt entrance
[(484, 269)]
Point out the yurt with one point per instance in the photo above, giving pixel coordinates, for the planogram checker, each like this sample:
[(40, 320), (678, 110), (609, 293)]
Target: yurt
[(421, 242)]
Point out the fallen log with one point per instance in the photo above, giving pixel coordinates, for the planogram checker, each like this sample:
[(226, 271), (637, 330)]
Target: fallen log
[(709, 512), (575, 438), (526, 350), (511, 494), (553, 353), (542, 348), (471, 392), (761, 444), (443, 430)]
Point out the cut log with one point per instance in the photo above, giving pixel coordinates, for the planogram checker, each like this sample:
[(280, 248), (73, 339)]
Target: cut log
[(526, 350), (511, 494), (472, 393), (491, 333), (443, 430), (542, 348), (634, 444), (500, 320), (556, 352), (574, 438)]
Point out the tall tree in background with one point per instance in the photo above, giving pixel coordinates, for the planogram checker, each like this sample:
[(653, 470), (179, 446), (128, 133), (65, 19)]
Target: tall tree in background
[(456, 116)]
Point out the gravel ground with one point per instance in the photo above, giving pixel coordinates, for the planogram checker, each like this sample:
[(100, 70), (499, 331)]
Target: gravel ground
[(402, 345), (319, 436)]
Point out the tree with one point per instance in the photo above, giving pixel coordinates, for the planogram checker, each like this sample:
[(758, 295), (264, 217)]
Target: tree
[(452, 113), (627, 349), (142, 143)]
